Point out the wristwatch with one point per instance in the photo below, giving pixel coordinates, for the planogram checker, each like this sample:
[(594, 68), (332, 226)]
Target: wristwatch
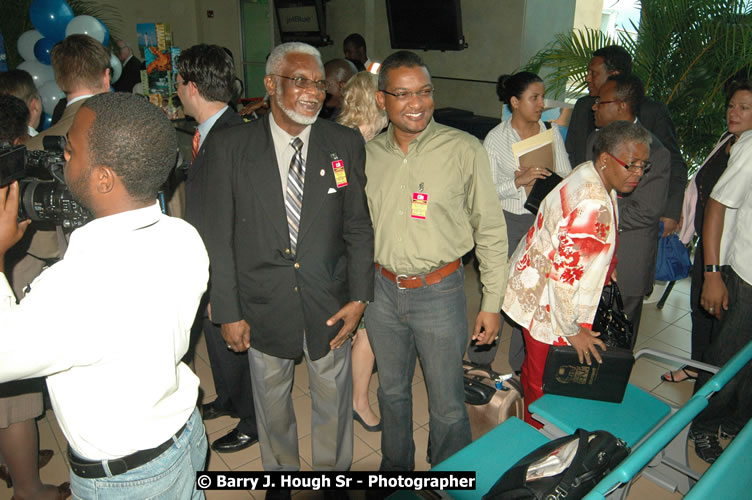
[(714, 268)]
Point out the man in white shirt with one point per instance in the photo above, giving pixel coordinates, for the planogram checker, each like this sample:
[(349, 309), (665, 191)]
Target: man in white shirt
[(109, 324)]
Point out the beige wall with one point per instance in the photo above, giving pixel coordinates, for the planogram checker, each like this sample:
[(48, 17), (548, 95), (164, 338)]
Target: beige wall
[(588, 14), (501, 35), (493, 29), (188, 20)]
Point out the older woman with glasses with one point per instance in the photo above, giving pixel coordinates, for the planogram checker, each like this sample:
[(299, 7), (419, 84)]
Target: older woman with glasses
[(522, 93), (558, 271)]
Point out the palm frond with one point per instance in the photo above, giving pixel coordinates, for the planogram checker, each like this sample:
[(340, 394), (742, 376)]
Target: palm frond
[(685, 52)]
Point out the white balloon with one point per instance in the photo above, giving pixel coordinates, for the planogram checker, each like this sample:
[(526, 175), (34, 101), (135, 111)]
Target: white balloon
[(26, 44), (86, 25), (41, 73), (117, 67), (51, 95)]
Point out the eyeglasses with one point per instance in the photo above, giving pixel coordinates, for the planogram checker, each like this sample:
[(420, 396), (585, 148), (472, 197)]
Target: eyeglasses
[(598, 101), (306, 83), (404, 95), (633, 167)]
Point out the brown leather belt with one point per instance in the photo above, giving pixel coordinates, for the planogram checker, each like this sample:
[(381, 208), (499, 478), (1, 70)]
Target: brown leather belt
[(419, 280)]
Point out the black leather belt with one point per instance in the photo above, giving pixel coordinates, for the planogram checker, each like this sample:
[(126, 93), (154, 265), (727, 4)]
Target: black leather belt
[(91, 469)]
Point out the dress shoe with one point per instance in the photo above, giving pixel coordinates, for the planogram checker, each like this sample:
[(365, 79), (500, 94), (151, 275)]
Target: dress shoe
[(233, 441), (212, 410), (278, 494), (369, 428)]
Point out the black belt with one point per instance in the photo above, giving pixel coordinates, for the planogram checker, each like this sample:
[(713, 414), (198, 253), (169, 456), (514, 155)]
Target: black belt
[(91, 469)]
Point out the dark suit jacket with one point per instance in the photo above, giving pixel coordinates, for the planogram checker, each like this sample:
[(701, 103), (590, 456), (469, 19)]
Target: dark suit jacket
[(254, 275), (130, 76), (639, 212), (654, 116), (199, 173)]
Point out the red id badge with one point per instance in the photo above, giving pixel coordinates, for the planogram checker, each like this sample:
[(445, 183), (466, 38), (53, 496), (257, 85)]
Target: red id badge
[(339, 173), (419, 206)]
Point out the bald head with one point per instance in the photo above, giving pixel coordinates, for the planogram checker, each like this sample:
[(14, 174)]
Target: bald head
[(338, 72)]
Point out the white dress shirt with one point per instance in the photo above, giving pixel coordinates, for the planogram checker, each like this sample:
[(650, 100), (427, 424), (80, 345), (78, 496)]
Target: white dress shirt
[(732, 190), (498, 143), (109, 325), (285, 151)]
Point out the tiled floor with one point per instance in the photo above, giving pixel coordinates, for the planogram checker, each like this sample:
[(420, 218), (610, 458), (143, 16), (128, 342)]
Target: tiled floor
[(667, 330)]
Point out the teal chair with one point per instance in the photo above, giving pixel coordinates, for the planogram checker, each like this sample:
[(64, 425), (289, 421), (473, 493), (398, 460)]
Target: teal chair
[(650, 457), (491, 455), (635, 419)]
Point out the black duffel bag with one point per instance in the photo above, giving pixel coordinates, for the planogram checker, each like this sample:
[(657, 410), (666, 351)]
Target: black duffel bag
[(565, 468)]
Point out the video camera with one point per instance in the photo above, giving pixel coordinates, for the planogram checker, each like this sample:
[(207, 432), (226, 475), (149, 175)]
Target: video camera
[(43, 195)]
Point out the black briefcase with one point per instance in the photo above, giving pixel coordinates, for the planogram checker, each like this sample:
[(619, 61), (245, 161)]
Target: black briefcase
[(607, 381)]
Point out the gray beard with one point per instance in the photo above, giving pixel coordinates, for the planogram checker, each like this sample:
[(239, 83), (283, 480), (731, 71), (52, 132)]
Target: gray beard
[(294, 115)]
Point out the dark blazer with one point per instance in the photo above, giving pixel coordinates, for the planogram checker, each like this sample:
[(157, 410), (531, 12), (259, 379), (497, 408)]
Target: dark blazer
[(254, 274), (130, 76), (639, 212), (199, 173), (654, 116)]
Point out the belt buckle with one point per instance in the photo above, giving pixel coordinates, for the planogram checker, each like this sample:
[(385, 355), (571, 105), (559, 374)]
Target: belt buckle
[(398, 278)]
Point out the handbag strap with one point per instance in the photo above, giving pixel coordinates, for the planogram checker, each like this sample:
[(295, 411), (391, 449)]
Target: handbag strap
[(579, 458)]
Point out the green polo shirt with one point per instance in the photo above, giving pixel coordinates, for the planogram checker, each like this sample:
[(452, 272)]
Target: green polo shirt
[(450, 170)]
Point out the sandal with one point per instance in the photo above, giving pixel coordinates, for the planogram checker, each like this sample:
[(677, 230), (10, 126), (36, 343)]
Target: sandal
[(669, 376)]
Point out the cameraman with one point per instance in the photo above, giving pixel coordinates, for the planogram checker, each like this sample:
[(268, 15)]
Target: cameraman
[(110, 322)]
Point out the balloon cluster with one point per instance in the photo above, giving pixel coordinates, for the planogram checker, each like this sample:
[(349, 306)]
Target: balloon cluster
[(54, 20)]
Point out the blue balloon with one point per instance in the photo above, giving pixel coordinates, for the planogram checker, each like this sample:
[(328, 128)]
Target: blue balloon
[(42, 50), (50, 17), (45, 122)]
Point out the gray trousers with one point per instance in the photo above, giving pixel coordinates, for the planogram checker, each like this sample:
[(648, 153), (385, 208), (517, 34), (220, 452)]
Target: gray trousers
[(330, 380)]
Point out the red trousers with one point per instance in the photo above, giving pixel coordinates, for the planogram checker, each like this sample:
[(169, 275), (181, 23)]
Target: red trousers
[(532, 373)]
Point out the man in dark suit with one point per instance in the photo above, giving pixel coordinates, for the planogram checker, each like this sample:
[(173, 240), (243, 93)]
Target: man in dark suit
[(131, 73), (640, 210), (291, 245), (653, 115), (204, 85)]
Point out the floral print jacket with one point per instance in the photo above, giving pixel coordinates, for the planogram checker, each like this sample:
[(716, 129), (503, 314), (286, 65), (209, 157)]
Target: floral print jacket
[(558, 270)]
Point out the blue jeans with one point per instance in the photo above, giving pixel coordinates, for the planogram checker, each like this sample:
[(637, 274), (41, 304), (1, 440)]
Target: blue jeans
[(170, 476), (732, 405), (430, 322)]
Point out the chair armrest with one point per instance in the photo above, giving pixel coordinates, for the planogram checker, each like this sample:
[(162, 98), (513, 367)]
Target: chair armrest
[(679, 359)]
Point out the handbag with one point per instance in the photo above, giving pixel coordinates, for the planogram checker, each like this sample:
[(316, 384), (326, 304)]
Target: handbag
[(540, 190), (673, 262), (610, 321), (565, 468)]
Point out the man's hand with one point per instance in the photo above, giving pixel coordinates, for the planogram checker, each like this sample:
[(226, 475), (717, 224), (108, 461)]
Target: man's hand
[(11, 230), (487, 327), (670, 226), (350, 314), (237, 335), (584, 343), (714, 294)]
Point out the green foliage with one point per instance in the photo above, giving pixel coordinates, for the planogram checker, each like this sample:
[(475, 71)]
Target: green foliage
[(685, 52), (15, 21)]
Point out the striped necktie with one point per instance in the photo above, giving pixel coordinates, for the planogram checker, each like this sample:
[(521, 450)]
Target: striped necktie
[(294, 195), (196, 142)]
